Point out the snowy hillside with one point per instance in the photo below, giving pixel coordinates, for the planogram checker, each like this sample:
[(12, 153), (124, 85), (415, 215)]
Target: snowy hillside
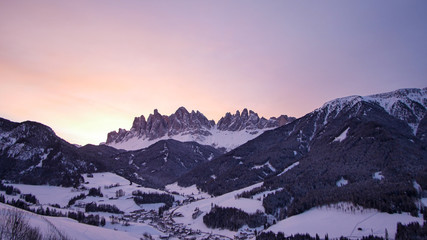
[(343, 220), (77, 231), (205, 205), (186, 218), (217, 138), (109, 184)]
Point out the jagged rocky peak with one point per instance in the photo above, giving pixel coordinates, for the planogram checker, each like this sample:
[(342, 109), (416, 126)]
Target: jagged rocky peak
[(182, 120), (157, 125), (250, 120), (184, 125)]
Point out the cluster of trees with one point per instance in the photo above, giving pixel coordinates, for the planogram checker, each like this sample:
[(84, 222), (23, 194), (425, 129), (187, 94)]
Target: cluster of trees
[(30, 198), (94, 220), (233, 218), (413, 230), (276, 203), (281, 236), (390, 198), (404, 232), (74, 199), (144, 198), (95, 192), (19, 204), (252, 192), (112, 186), (9, 189), (79, 216), (49, 212), (120, 193), (93, 207)]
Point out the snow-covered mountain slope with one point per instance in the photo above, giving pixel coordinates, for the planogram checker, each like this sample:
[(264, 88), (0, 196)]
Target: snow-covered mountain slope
[(331, 154), (399, 113), (231, 131), (219, 139), (408, 105), (163, 162), (30, 152)]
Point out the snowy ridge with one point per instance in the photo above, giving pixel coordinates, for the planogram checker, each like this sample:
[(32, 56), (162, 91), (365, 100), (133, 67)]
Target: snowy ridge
[(409, 105), (217, 138)]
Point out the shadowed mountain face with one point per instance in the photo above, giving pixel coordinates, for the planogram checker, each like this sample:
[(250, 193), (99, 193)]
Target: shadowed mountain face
[(32, 153), (231, 131), (332, 154), (163, 162)]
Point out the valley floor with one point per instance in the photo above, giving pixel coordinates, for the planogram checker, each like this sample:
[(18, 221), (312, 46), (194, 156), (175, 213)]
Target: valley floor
[(185, 220)]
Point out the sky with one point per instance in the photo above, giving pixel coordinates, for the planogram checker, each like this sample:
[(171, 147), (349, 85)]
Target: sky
[(88, 67)]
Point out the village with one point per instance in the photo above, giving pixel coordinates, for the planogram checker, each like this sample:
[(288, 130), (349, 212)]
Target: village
[(173, 230)]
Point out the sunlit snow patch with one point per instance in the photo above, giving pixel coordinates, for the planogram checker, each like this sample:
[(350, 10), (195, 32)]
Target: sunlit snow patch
[(417, 186), (187, 191), (378, 176), (288, 168), (267, 164), (342, 136), (342, 182)]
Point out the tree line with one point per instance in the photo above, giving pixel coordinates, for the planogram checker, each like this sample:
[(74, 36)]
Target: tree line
[(233, 218)]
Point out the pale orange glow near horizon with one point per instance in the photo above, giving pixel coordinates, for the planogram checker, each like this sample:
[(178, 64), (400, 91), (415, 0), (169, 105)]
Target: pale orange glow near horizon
[(86, 68)]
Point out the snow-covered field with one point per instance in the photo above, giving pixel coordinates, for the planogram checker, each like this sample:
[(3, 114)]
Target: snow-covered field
[(74, 230), (342, 219), (205, 205), (60, 195), (338, 220), (187, 191)]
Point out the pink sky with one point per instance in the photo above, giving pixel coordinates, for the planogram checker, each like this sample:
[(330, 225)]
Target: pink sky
[(85, 68)]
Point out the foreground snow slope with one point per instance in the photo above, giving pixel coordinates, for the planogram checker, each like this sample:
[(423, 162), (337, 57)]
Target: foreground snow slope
[(60, 195), (339, 220)]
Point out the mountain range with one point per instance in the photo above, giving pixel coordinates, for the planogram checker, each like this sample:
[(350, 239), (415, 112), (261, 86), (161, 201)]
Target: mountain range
[(369, 150), (231, 130), (31, 153)]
